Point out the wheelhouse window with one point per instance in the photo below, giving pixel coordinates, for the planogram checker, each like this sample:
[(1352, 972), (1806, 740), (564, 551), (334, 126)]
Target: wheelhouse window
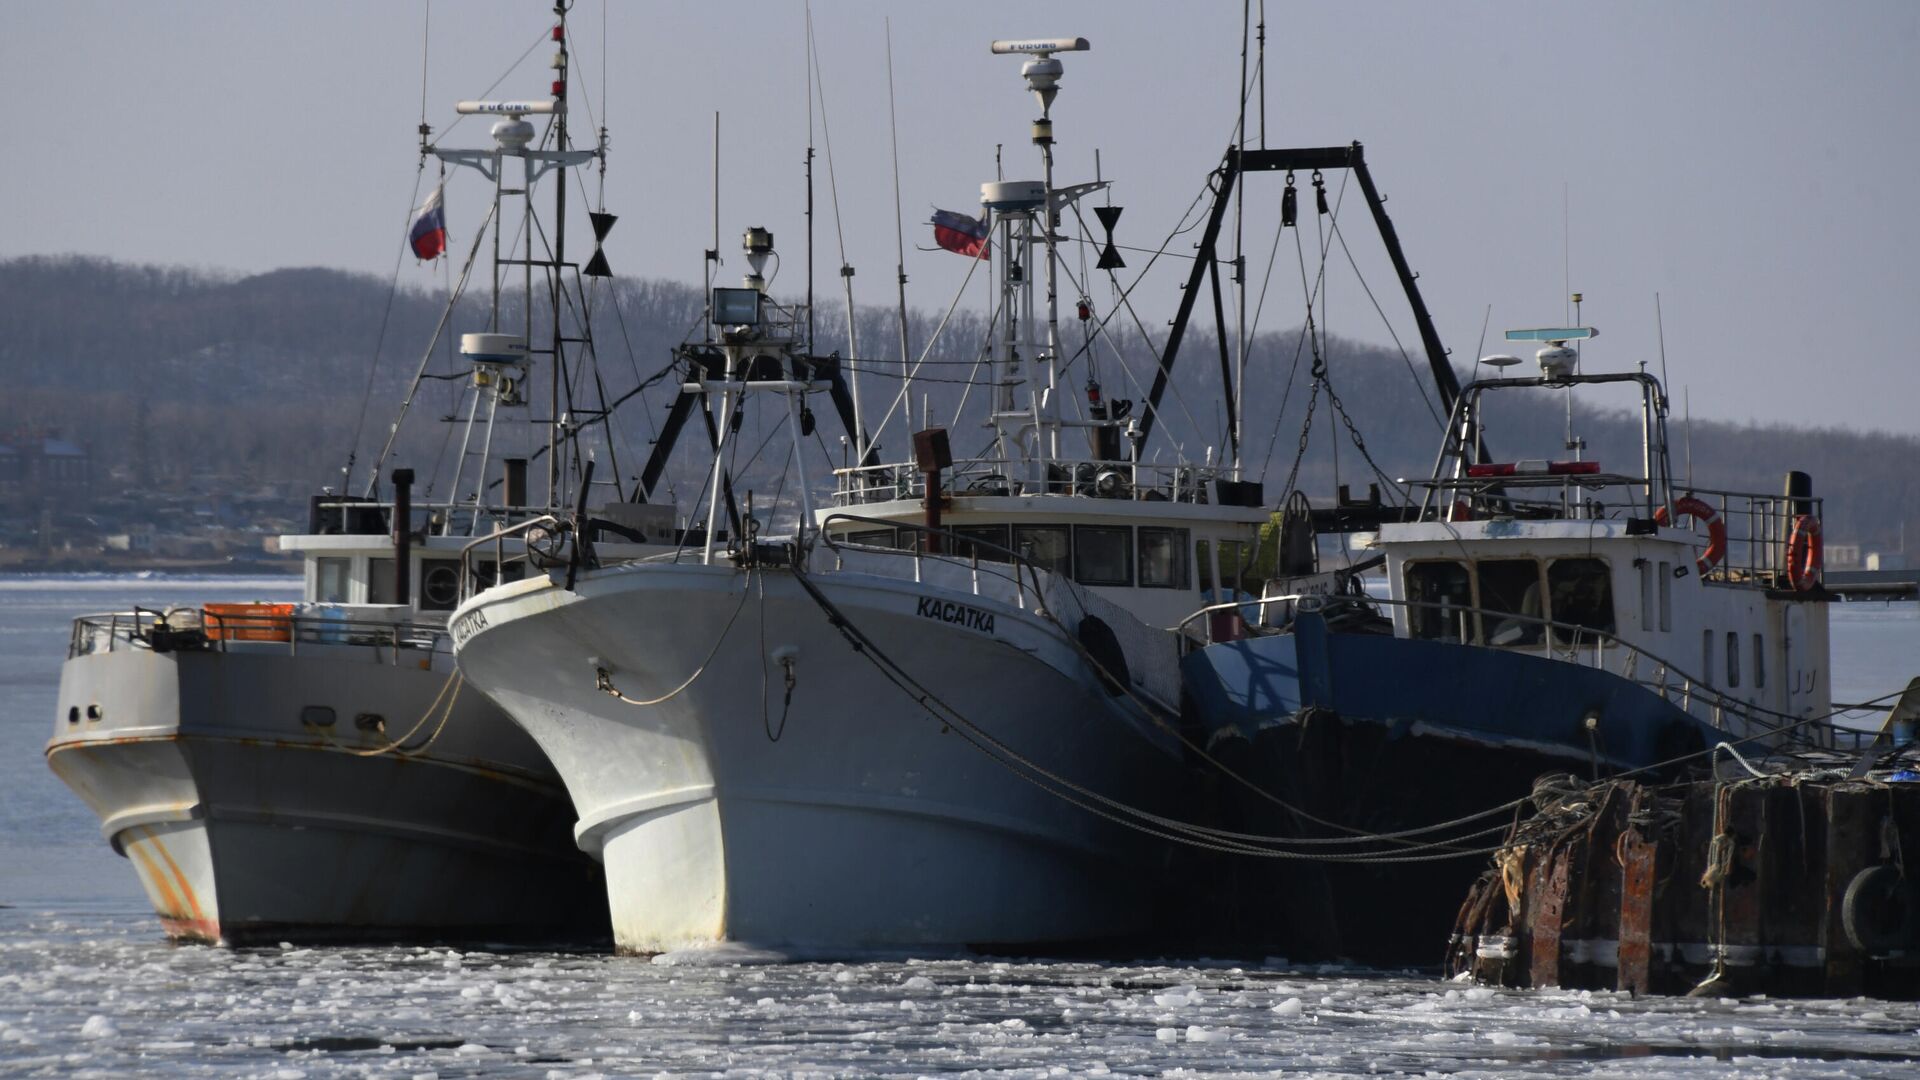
[(988, 542), (381, 587), (1510, 601), (1579, 593), (1759, 662), (1440, 595), (1235, 562), (1163, 558), (1733, 659), (882, 538), (1045, 546), (1103, 554), (1648, 612), (331, 580)]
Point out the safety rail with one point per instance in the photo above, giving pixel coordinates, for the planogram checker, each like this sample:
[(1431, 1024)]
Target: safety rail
[(345, 515), (198, 629), (531, 553), (1759, 531), (1182, 482), (1758, 527), (1586, 645), (1024, 580)]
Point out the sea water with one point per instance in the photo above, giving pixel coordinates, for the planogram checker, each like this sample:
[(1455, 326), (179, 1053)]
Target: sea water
[(89, 987)]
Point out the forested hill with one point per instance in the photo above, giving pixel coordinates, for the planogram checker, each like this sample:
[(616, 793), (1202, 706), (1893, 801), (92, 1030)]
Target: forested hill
[(168, 373)]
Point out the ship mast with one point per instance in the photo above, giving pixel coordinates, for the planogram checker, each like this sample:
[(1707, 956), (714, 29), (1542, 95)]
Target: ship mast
[(555, 281), (1016, 202), (501, 360)]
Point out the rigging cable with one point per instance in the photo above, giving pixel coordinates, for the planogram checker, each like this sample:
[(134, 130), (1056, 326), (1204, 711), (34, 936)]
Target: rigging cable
[(393, 284), (393, 433), (861, 440)]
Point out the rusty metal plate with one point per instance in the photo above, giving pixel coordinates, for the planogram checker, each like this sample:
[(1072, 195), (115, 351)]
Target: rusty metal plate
[(1636, 911)]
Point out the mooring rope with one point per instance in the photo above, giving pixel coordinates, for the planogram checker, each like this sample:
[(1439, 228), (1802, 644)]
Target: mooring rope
[(603, 677), (455, 680), (1110, 809)]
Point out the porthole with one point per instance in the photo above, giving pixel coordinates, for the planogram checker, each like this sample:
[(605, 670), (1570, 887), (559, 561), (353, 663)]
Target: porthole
[(316, 715), (94, 712), (439, 584)]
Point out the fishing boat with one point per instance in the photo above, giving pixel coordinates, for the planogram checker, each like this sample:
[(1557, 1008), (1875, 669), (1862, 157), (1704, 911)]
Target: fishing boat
[(1537, 616), (317, 770), (933, 715)]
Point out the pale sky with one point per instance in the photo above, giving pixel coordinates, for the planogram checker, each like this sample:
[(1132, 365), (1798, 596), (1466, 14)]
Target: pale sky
[(1754, 163)]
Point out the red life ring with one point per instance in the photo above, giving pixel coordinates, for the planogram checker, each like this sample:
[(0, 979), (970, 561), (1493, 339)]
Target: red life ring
[(1806, 554), (1707, 515)]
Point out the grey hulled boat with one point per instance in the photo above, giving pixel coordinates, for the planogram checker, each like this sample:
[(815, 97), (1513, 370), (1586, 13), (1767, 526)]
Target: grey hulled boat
[(314, 770)]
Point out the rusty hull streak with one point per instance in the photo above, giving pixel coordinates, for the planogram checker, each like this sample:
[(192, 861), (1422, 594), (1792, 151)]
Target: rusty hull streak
[(186, 888)]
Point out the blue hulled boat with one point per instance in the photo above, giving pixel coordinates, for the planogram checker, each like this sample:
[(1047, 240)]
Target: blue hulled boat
[(1536, 617)]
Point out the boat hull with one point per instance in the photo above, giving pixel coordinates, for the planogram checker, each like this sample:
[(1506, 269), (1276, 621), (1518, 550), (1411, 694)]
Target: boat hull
[(847, 816), (1383, 735), (247, 826)]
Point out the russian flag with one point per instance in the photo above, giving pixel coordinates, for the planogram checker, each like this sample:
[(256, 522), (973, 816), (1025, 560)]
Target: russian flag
[(428, 232), (960, 234)]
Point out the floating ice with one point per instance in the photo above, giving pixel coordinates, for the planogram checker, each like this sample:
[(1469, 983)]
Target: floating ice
[(391, 1013), (1175, 997), (98, 1027)]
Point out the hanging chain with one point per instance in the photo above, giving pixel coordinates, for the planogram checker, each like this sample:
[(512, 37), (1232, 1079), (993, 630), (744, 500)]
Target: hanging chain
[(1322, 381), (1318, 373)]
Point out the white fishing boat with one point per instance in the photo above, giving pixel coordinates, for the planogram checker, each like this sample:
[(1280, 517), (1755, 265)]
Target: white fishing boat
[(316, 770), (934, 715)]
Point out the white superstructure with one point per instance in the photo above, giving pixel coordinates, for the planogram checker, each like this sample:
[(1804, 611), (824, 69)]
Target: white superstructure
[(1711, 597)]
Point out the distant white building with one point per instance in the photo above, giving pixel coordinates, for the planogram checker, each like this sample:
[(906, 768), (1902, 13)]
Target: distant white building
[(138, 538), (1886, 560), (1843, 556)]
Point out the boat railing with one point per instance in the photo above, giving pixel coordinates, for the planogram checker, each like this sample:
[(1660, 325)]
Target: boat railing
[(543, 539), (264, 630), (1759, 527), (345, 515), (1565, 642), (1759, 531), (987, 476), (986, 564)]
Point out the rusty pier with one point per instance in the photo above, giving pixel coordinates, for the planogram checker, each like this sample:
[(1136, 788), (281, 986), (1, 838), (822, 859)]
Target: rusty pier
[(1800, 883)]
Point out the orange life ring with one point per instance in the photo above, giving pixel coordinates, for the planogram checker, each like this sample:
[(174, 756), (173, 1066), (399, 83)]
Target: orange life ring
[(1707, 515), (1806, 554)]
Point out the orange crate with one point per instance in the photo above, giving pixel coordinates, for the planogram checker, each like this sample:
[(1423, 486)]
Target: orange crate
[(249, 622)]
